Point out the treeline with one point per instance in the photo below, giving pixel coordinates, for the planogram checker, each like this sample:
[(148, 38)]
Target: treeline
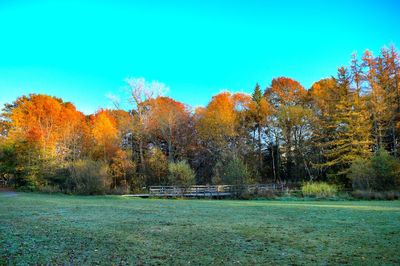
[(343, 130)]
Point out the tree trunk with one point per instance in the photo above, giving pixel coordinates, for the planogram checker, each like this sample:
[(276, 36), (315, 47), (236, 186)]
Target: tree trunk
[(170, 152), (289, 154), (278, 176), (273, 162), (142, 164), (260, 161), (394, 140)]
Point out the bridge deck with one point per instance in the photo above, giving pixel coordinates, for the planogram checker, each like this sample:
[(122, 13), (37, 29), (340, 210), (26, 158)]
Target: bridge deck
[(206, 191), (186, 195)]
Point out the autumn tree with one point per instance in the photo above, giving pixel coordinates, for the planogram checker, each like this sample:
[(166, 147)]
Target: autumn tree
[(36, 119), (44, 132), (382, 77), (223, 129), (215, 126), (165, 119), (124, 123), (156, 167), (105, 135), (379, 108), (122, 170), (241, 143), (323, 98), (259, 111), (349, 127), (216, 123), (140, 92), (74, 133), (287, 97)]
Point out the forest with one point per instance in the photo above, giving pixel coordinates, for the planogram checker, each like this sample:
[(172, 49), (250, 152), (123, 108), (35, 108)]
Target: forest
[(343, 130)]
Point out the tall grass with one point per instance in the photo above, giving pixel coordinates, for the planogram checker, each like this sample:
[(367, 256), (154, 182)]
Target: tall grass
[(320, 190)]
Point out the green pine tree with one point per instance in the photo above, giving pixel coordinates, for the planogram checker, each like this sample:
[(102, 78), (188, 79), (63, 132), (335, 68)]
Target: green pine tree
[(257, 94), (348, 129)]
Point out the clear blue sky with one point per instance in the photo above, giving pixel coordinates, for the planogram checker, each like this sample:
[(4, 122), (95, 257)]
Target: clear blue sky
[(83, 51)]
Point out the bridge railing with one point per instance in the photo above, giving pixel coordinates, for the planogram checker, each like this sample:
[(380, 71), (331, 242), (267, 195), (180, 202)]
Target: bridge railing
[(3, 183), (202, 190)]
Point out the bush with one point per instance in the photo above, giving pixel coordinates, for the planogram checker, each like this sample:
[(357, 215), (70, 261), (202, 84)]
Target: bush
[(380, 173), (267, 194), (27, 167), (216, 178), (361, 174), (122, 170), (235, 173), (49, 189), (156, 167), (371, 195), (8, 163), (120, 190), (320, 190), (386, 171), (181, 174), (89, 177)]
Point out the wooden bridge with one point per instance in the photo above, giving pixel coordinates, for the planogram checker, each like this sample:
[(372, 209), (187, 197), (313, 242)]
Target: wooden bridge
[(3, 182), (208, 191)]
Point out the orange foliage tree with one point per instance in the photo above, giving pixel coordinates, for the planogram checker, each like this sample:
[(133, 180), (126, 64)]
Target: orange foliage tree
[(283, 94), (105, 134), (43, 130), (218, 121), (259, 112), (56, 127), (165, 117)]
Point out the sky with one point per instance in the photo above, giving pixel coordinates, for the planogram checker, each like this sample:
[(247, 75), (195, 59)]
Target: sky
[(82, 51)]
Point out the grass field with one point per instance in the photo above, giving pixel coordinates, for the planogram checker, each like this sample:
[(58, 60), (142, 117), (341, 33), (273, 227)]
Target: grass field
[(61, 229)]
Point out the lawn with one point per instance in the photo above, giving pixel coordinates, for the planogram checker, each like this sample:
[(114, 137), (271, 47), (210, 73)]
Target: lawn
[(61, 229)]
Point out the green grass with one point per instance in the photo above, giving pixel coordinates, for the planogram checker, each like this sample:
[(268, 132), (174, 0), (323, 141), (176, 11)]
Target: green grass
[(61, 229)]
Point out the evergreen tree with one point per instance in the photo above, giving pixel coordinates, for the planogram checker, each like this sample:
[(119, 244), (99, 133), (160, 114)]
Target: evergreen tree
[(350, 138), (259, 111), (383, 105), (257, 94), (323, 99)]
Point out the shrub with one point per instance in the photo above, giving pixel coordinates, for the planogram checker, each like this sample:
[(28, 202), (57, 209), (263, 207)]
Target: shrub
[(122, 170), (156, 167), (89, 177), (120, 190), (8, 163), (380, 173), (217, 170), (372, 195), (267, 194), (386, 171), (181, 174), (49, 189), (235, 173), (28, 167), (320, 190), (361, 174)]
